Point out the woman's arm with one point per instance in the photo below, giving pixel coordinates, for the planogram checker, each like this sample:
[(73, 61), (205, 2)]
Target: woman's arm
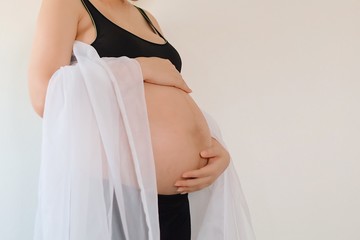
[(161, 71), (195, 180), (218, 158), (52, 46)]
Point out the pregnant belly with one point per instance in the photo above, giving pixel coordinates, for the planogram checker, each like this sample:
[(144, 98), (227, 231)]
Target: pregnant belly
[(179, 132)]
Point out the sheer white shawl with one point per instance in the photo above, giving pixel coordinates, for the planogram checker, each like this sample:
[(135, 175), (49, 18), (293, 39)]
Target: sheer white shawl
[(96, 144)]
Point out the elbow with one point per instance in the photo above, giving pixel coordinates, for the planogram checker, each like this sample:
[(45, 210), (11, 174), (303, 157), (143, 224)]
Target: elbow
[(38, 107), (39, 110), (36, 93)]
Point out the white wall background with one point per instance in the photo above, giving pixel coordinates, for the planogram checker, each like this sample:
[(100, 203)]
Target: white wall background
[(282, 77)]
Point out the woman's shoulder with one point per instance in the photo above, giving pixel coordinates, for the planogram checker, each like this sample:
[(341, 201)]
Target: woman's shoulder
[(64, 8), (153, 20)]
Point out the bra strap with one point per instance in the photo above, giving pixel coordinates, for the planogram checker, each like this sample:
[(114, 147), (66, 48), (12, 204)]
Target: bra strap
[(87, 5), (149, 21)]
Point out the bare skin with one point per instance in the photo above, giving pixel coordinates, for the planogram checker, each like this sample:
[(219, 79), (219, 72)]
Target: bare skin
[(178, 133), (61, 22)]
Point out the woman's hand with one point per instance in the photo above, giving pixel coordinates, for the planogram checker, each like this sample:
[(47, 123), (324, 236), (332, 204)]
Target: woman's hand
[(161, 71), (218, 161)]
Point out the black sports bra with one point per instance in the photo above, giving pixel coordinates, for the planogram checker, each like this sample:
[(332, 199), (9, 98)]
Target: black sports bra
[(113, 41)]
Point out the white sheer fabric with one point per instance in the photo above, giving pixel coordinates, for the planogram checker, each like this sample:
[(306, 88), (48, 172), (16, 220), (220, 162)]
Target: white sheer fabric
[(96, 149)]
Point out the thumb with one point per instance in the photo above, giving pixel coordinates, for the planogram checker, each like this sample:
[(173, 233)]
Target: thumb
[(209, 152)]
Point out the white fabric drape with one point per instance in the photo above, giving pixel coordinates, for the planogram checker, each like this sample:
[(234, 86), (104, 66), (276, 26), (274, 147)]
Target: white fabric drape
[(96, 149)]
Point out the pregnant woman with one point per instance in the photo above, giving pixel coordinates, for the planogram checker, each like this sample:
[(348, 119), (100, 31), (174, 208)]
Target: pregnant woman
[(179, 132)]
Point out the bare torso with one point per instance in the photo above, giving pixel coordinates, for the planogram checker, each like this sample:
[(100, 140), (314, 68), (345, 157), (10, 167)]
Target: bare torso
[(178, 132), (178, 129)]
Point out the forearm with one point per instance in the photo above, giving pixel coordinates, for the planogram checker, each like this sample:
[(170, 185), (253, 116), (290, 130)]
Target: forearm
[(161, 72), (144, 66)]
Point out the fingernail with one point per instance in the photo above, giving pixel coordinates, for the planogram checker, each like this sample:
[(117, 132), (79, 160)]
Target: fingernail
[(180, 189), (183, 193)]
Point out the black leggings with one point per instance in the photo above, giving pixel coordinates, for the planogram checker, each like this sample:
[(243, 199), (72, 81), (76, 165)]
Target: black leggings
[(174, 217)]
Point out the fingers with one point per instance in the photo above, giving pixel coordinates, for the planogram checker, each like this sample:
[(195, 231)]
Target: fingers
[(191, 185), (182, 85), (186, 88), (162, 72), (196, 179), (207, 170), (216, 151), (191, 182), (211, 152), (179, 81)]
